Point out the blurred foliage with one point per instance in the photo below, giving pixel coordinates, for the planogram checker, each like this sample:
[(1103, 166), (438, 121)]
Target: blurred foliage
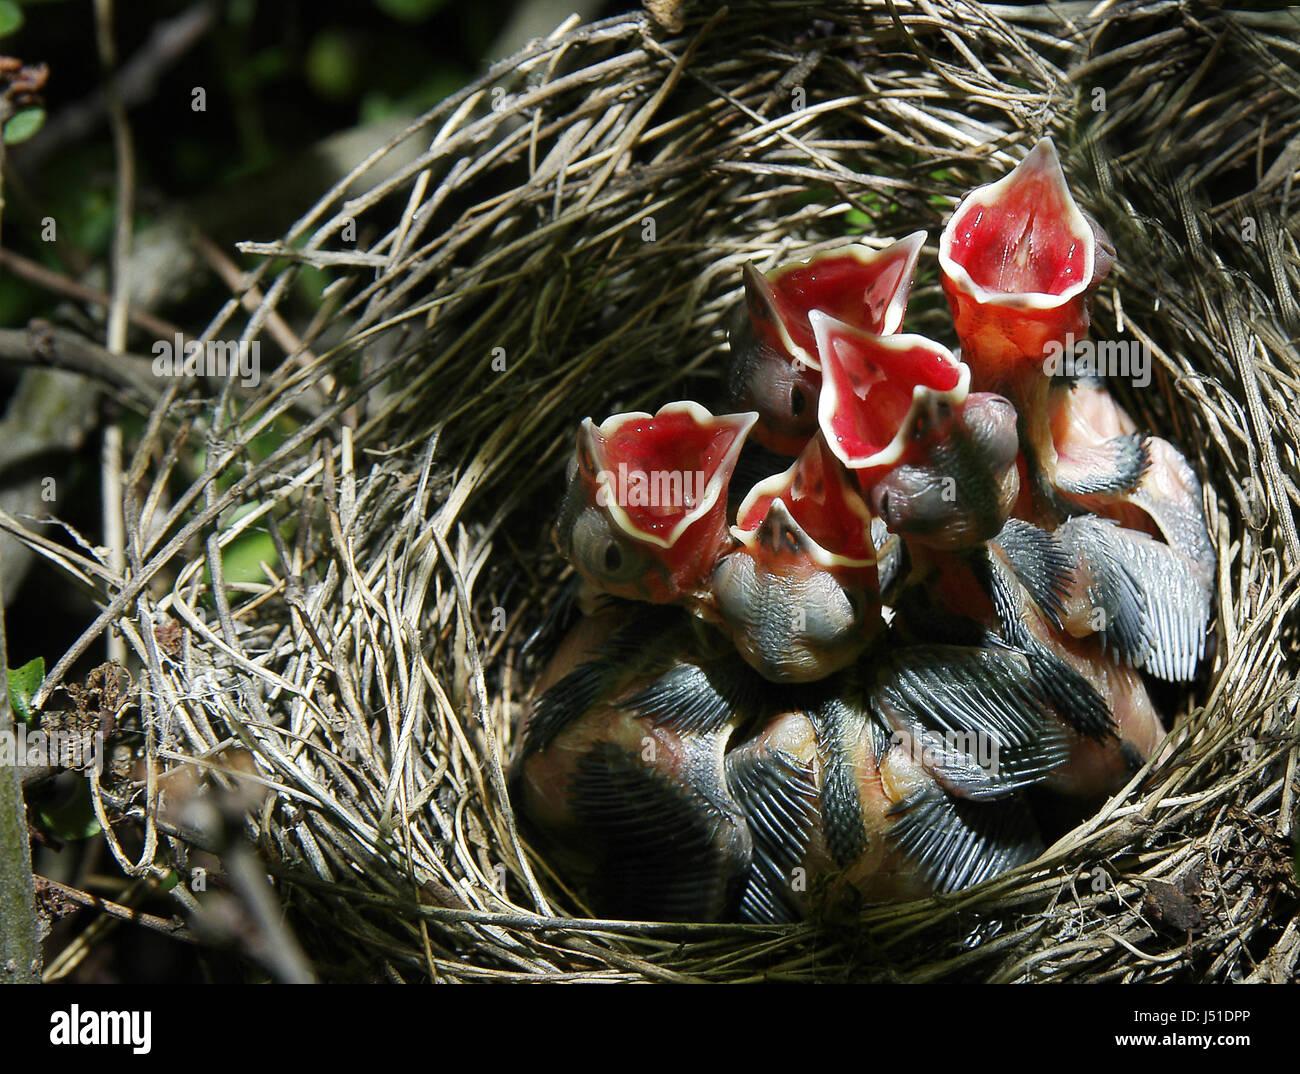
[(11, 17), (70, 815), (278, 76)]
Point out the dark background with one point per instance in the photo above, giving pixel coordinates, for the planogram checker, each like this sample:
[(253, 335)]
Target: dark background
[(283, 79)]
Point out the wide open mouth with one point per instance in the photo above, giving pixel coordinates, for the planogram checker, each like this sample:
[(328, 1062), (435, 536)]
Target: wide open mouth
[(855, 284), (816, 492), (872, 383), (658, 474), (1022, 240)]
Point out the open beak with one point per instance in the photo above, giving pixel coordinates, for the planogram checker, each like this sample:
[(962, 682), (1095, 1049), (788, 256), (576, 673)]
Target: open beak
[(1018, 262), (775, 367), (647, 518), (830, 512), (872, 387)]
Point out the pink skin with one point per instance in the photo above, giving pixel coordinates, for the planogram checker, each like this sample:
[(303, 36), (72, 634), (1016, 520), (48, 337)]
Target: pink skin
[(1166, 503), (542, 781), (1162, 517), (1094, 769), (546, 774), (1083, 420), (881, 873), (1097, 769), (579, 643)]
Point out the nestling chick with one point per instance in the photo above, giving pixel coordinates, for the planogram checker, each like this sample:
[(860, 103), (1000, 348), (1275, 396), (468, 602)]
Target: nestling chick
[(878, 790), (799, 595), (644, 516), (958, 479), (775, 367), (620, 766)]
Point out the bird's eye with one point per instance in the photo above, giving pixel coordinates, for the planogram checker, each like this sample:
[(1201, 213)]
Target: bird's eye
[(604, 555), (797, 401)]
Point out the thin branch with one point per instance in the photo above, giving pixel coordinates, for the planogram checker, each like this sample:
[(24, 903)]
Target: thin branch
[(119, 308), (42, 344), (171, 927), (40, 276)]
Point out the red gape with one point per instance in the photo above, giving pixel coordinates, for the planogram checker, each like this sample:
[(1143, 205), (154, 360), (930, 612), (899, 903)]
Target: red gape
[(824, 503), (872, 387), (655, 488), (1019, 261), (776, 368)]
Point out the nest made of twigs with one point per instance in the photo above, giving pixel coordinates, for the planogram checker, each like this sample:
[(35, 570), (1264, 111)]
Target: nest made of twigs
[(565, 240)]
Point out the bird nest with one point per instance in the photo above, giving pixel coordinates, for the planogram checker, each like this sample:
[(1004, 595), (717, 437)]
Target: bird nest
[(564, 238)]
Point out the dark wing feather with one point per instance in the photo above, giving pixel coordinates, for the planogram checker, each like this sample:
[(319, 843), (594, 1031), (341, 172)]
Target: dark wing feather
[(650, 633), (954, 844), (692, 698), (1115, 467), (778, 796), (662, 852)]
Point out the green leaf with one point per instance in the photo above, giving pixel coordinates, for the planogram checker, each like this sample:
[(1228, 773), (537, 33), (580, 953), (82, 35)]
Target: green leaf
[(22, 125), (242, 560), (11, 17), (23, 682), (71, 819)]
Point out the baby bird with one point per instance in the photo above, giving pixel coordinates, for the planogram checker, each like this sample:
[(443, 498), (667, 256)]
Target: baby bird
[(1097, 768), (1144, 561), (957, 481), (644, 516), (775, 367), (1019, 262), (894, 782), (799, 596), (1110, 722), (620, 765)]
